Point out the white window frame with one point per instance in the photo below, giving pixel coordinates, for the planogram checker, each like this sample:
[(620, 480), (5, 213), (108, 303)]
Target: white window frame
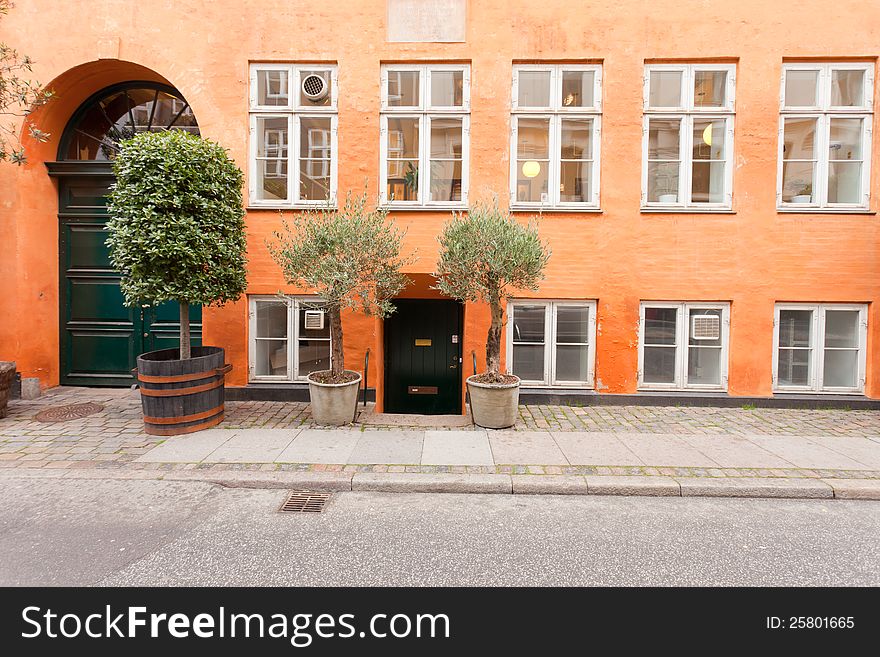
[(682, 346), (294, 113), (425, 112), (550, 313), (817, 345), (294, 305), (556, 111), (823, 112), (686, 113)]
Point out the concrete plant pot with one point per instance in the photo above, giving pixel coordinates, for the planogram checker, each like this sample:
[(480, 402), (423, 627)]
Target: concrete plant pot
[(494, 405), (334, 403)]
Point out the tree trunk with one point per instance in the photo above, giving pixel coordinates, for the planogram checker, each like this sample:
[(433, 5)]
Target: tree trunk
[(337, 359), (185, 351), (493, 340)]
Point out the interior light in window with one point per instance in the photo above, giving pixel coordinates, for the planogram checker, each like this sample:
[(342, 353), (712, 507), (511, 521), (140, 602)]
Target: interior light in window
[(568, 100), (707, 135), (531, 169)]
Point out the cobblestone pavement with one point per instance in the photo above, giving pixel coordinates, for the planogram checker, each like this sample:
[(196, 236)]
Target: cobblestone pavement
[(114, 437)]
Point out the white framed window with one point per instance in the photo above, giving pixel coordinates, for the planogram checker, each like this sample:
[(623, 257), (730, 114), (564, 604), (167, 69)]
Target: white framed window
[(289, 338), (683, 345), (424, 135), (293, 150), (555, 130), (819, 347), (552, 343), (687, 136), (825, 117)]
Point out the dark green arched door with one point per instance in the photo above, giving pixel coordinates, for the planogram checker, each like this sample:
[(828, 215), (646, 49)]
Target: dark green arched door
[(100, 337)]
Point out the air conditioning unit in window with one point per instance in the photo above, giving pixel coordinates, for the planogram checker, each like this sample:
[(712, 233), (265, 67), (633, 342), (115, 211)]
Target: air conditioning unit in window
[(705, 327), (315, 88), (314, 320)]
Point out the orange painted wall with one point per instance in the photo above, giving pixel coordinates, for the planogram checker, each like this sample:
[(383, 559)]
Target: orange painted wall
[(752, 258)]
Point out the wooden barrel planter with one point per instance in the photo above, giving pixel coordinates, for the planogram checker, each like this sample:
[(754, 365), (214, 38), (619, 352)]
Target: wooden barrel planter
[(7, 377), (181, 396)]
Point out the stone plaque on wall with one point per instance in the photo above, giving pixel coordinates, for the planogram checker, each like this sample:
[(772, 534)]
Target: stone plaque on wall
[(426, 20)]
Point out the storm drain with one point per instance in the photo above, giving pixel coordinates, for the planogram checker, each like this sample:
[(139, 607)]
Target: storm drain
[(68, 412), (304, 501)]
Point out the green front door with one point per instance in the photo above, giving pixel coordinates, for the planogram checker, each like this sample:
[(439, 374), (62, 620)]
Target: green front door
[(100, 337), (423, 357)]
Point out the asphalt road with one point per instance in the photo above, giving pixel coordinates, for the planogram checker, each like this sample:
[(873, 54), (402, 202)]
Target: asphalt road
[(82, 532)]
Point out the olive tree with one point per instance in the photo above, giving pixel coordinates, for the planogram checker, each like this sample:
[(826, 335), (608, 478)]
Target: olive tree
[(19, 96), (350, 257), (482, 254), (177, 223)]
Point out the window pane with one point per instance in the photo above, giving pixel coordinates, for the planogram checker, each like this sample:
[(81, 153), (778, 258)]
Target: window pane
[(572, 323), (847, 88), (660, 325), (846, 139), (271, 319), (533, 89), (845, 182), (665, 89), (446, 138), (709, 139), (704, 366), (663, 139), (447, 88), (272, 88), (577, 88), (533, 138), (800, 88), (842, 328), (445, 180), (797, 182), (270, 358), (571, 363), (403, 88), (659, 366), (314, 356), (315, 157), (403, 138), (403, 162), (575, 185), (793, 367), (707, 182), (528, 362), (528, 324), (272, 153), (799, 139), (710, 88), (663, 182), (324, 102), (312, 333), (576, 142), (795, 328), (841, 369)]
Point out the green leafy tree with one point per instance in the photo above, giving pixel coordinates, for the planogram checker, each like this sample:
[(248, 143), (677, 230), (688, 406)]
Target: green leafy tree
[(19, 96), (350, 257), (177, 223), (482, 254)]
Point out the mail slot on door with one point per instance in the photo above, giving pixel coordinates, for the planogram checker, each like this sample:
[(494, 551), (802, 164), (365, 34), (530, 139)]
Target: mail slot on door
[(423, 390)]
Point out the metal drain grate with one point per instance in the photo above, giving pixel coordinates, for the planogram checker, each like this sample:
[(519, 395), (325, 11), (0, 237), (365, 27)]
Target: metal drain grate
[(304, 501), (69, 412)]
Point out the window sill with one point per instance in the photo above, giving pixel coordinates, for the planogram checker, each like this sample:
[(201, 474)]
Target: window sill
[(540, 386), (687, 211), (822, 393), (292, 208), (546, 210), (824, 211), (685, 391), (423, 208)]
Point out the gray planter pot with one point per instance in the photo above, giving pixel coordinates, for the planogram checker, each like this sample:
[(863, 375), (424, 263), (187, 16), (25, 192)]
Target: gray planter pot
[(494, 406), (334, 403)]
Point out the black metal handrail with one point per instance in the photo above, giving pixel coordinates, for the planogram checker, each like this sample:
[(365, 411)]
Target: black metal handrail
[(366, 366)]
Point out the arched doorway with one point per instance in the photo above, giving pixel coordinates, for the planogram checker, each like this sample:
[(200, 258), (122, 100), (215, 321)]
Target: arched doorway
[(100, 338)]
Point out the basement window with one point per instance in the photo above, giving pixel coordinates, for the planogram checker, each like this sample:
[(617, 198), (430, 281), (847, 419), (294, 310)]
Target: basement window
[(289, 338)]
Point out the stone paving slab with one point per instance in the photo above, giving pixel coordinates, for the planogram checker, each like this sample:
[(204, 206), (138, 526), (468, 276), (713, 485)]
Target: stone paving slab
[(395, 447), (803, 453), (736, 452), (192, 447), (855, 489), (524, 447), (582, 448), (665, 450), (252, 445), (321, 446), (456, 448), (857, 449)]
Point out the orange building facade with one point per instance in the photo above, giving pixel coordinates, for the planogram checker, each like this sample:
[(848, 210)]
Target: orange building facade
[(705, 174)]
